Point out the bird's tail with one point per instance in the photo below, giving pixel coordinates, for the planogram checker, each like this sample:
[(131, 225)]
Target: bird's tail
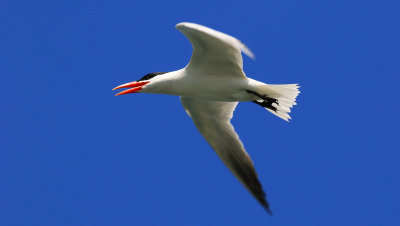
[(281, 99)]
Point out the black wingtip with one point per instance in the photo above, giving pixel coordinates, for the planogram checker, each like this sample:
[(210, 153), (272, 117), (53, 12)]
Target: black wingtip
[(265, 205)]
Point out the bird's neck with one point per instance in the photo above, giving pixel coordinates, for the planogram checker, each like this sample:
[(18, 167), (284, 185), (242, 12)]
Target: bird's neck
[(168, 83)]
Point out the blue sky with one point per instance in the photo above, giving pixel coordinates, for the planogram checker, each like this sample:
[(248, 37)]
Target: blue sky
[(73, 154)]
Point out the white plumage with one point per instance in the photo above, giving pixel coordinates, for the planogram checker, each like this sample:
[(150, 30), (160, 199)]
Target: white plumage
[(211, 86)]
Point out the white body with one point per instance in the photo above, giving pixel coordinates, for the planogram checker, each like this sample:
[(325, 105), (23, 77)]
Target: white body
[(186, 82), (211, 86)]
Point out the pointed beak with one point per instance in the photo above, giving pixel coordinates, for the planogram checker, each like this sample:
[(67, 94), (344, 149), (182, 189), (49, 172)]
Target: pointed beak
[(135, 87)]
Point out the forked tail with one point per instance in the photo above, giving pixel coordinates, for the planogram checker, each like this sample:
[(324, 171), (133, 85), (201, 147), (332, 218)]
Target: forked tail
[(277, 99)]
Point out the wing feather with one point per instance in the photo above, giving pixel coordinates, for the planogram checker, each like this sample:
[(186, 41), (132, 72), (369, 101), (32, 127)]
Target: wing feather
[(214, 52), (212, 119)]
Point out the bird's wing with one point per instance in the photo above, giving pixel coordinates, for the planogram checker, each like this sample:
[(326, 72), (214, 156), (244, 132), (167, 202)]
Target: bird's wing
[(212, 119), (214, 52)]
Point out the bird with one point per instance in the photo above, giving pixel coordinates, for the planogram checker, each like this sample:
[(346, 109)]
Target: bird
[(210, 87)]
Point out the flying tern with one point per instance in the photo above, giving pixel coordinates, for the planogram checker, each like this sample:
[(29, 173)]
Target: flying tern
[(210, 87)]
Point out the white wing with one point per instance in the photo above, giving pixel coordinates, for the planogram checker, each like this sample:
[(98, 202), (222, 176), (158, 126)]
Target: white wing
[(212, 119), (214, 52)]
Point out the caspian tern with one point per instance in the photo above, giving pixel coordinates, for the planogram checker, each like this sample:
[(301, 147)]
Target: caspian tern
[(210, 87)]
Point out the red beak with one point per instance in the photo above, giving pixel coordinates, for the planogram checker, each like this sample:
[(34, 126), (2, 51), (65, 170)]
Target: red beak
[(135, 86)]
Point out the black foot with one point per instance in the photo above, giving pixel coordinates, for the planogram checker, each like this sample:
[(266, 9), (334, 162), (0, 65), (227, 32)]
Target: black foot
[(266, 102)]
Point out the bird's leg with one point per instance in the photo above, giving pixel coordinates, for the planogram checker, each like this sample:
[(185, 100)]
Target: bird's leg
[(267, 101)]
